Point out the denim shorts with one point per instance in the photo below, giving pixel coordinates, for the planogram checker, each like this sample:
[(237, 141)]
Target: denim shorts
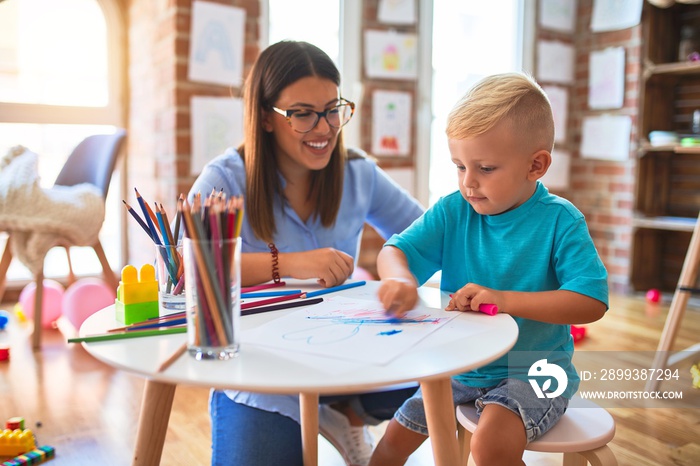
[(538, 415)]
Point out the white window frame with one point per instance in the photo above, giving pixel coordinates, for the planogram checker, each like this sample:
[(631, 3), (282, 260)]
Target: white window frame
[(112, 114)]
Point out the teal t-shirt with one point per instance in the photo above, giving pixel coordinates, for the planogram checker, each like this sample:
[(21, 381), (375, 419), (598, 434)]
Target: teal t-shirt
[(542, 245)]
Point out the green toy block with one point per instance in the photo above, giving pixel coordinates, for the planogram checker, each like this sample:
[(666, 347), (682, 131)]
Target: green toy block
[(138, 312)]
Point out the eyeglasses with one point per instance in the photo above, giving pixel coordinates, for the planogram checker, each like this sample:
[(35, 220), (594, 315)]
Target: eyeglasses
[(303, 121)]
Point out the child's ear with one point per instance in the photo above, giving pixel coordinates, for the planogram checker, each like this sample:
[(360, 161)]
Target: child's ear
[(540, 162)]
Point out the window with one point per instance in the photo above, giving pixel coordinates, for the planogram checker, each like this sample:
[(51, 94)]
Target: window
[(60, 81), (470, 41), (313, 21)]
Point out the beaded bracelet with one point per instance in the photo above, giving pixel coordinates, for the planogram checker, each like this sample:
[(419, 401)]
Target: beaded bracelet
[(275, 262)]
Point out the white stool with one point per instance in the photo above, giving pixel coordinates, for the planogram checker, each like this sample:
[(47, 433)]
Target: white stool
[(582, 434)]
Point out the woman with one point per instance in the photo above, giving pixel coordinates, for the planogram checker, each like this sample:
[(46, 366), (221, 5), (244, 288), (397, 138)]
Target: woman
[(307, 200)]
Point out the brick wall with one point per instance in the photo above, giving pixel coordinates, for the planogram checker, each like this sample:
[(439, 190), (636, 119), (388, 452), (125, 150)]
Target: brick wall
[(159, 144), (604, 190), (371, 241)]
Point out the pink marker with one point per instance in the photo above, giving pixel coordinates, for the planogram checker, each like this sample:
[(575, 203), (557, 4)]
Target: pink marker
[(490, 309)]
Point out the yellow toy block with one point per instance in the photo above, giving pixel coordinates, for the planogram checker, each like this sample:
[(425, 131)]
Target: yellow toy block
[(16, 442), (138, 289), (137, 295)]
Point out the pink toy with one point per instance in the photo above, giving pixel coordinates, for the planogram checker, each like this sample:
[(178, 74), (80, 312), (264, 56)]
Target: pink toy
[(653, 295), (85, 297), (579, 333), (51, 302)]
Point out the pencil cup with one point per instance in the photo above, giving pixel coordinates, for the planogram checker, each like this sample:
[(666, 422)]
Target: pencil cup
[(171, 281), (213, 297)]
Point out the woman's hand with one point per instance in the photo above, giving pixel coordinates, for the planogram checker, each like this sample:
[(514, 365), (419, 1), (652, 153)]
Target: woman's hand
[(330, 266), (398, 295), (471, 295)]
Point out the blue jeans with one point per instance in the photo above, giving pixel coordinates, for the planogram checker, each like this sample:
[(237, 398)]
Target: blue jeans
[(538, 415), (245, 436)]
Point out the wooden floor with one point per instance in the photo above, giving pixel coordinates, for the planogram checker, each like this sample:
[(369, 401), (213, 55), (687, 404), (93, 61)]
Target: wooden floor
[(88, 411)]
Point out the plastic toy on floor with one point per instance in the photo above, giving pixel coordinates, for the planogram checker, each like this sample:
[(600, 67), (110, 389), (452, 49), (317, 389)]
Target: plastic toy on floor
[(695, 372), (579, 333), (16, 442), (36, 456)]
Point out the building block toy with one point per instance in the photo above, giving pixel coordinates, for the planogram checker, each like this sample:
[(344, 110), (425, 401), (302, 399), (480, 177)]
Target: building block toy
[(15, 423), (36, 456), (137, 295), (16, 442), (695, 372)]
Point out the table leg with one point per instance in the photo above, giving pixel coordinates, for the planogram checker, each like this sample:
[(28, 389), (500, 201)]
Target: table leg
[(308, 404), (440, 414), (153, 422)]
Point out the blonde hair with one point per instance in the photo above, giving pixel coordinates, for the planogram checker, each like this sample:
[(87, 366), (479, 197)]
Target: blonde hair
[(512, 96)]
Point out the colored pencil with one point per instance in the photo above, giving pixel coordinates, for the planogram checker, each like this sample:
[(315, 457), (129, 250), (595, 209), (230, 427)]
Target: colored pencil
[(279, 299), (268, 294), (150, 218), (248, 289), (138, 219), (281, 306), (173, 357), (159, 324), (333, 289), (122, 336)]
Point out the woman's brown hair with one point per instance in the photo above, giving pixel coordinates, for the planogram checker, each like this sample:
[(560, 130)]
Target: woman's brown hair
[(277, 67)]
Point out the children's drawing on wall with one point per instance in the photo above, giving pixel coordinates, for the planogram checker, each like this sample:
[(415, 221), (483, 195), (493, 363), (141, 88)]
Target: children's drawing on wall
[(559, 99), (390, 55), (606, 82), (391, 123), (558, 15), (217, 123), (216, 46), (350, 329), (612, 15), (555, 62), (606, 137), (397, 11)]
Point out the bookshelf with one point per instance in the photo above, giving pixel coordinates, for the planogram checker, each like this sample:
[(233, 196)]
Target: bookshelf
[(667, 197)]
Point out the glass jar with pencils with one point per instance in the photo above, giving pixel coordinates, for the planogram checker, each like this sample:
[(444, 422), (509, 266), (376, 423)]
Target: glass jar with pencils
[(171, 278), (212, 265), (213, 304)]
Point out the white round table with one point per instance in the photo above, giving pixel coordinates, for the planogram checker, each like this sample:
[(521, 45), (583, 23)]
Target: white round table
[(441, 354)]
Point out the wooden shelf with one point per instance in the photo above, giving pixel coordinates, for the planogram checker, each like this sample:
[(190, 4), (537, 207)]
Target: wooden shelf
[(664, 223), (680, 68), (645, 147)]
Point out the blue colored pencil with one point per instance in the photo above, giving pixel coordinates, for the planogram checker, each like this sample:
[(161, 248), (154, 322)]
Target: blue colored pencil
[(138, 219), (144, 208), (333, 289), (165, 323), (269, 294)]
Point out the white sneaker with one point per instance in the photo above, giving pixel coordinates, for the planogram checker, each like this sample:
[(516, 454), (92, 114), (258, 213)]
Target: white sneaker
[(355, 444)]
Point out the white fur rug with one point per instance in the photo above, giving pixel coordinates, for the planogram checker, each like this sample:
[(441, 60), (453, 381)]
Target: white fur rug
[(38, 218)]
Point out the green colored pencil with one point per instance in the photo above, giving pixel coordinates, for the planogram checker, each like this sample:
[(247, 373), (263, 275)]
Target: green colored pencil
[(121, 336)]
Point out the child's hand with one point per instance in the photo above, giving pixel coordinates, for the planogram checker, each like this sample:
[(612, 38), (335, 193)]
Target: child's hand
[(398, 295), (471, 296)]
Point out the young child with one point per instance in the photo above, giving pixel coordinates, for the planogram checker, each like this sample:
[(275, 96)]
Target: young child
[(503, 239)]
